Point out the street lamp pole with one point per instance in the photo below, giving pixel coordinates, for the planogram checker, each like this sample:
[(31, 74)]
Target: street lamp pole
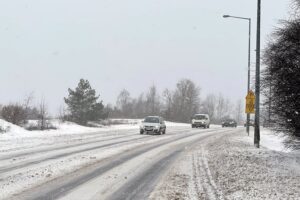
[(249, 60), (257, 78), (249, 66)]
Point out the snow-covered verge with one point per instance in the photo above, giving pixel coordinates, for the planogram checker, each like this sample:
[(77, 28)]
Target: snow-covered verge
[(230, 167), (271, 140), (62, 128)]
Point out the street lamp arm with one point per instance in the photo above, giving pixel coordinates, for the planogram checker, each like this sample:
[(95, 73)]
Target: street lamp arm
[(229, 16)]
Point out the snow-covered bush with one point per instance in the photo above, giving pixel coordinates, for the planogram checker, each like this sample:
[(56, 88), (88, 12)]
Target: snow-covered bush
[(34, 125), (14, 113), (4, 129), (281, 78)]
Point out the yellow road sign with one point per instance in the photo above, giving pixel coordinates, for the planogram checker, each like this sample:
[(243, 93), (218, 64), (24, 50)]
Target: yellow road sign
[(250, 103)]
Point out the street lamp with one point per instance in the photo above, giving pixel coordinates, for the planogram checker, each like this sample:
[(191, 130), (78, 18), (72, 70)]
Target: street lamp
[(249, 58)]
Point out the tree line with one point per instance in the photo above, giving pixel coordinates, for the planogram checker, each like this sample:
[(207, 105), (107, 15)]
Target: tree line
[(177, 105), (83, 105)]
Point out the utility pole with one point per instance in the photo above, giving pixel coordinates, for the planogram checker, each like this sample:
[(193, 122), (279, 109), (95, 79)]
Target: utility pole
[(257, 78)]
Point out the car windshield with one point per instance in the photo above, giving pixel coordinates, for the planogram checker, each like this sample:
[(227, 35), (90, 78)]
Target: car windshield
[(200, 117), (151, 120)]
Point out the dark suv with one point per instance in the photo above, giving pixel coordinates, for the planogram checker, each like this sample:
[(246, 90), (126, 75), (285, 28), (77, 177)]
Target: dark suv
[(251, 123), (229, 123)]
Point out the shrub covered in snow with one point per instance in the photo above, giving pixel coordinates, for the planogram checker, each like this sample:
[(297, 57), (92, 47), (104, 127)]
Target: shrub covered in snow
[(34, 125), (14, 113), (281, 78)]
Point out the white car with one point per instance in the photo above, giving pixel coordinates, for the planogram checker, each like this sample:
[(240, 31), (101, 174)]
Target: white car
[(154, 124), (200, 120)]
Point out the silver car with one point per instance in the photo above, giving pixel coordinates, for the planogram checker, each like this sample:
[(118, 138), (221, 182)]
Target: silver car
[(153, 124)]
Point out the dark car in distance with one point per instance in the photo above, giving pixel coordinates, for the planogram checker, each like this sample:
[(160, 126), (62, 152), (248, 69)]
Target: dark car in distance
[(229, 123), (251, 123)]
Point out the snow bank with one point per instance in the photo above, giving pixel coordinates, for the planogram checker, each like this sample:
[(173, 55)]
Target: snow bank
[(271, 140), (64, 128), (11, 128)]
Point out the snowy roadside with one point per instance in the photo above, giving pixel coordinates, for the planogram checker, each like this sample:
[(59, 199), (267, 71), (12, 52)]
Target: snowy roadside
[(64, 128), (270, 140), (230, 167)]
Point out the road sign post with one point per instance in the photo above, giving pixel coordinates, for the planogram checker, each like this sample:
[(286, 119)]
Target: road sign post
[(250, 103), (250, 107)]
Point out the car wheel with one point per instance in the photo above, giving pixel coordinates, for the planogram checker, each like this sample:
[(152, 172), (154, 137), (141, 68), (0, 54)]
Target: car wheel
[(160, 132), (141, 132)]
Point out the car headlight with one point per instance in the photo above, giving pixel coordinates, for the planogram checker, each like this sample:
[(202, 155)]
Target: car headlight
[(157, 127)]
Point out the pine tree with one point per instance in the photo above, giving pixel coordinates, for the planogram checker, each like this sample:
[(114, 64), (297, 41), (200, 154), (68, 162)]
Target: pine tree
[(83, 103)]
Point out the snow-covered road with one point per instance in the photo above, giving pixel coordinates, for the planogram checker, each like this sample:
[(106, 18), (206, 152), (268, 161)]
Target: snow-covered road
[(120, 164), (28, 164)]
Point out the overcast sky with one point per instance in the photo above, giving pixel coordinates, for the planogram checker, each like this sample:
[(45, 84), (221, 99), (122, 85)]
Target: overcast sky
[(46, 46)]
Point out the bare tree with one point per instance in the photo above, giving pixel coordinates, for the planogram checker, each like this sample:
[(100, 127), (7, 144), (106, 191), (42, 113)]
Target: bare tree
[(1, 110), (167, 96), (224, 108), (62, 113), (124, 103), (43, 113), (239, 111), (153, 101), (186, 100), (139, 107), (27, 105), (209, 106), (220, 109)]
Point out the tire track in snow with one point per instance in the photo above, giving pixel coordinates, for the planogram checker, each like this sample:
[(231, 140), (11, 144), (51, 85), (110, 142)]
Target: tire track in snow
[(16, 155), (142, 185), (204, 184), (31, 162), (31, 150)]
